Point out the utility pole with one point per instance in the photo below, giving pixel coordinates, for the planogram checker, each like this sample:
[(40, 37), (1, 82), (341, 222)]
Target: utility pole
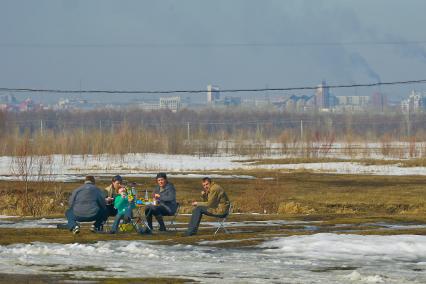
[(301, 129), (41, 127), (408, 123), (188, 131)]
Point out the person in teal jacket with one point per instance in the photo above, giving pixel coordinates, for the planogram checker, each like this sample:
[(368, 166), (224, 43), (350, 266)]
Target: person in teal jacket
[(124, 208)]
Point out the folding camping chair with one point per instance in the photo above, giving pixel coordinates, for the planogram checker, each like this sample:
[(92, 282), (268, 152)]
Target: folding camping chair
[(172, 218), (222, 219), (137, 221)]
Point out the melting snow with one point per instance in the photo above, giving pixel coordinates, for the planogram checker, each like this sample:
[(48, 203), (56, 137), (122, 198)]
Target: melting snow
[(320, 258), (74, 167)]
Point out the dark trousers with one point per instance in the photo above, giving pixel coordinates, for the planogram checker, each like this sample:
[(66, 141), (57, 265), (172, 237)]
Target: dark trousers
[(197, 214), (158, 211), (99, 218), (111, 211)]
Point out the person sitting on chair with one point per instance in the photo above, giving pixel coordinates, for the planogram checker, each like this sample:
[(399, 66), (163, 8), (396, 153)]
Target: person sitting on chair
[(165, 196), (124, 207), (214, 198), (111, 192), (87, 203)]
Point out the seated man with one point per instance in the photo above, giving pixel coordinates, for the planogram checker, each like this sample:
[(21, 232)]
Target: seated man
[(87, 203), (165, 196), (214, 198)]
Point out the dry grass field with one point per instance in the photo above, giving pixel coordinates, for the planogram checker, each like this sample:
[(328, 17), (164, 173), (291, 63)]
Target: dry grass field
[(270, 192)]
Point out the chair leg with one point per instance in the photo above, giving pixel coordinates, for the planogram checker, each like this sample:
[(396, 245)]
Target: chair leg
[(221, 226), (139, 223), (226, 230), (217, 230), (173, 225), (106, 226)]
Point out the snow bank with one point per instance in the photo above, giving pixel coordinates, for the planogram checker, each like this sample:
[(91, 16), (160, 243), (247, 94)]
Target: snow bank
[(350, 168), (74, 167), (27, 224), (320, 258), (351, 247)]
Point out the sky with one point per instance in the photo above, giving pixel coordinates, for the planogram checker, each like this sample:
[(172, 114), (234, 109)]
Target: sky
[(188, 44)]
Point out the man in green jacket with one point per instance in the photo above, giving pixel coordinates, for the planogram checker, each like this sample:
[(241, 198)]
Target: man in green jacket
[(216, 203)]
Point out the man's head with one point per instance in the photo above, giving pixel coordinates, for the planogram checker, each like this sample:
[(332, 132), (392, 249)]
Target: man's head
[(89, 179), (206, 183), (116, 182), (161, 179)]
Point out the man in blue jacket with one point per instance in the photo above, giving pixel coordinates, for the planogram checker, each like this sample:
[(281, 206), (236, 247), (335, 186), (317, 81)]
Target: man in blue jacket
[(87, 203), (165, 196)]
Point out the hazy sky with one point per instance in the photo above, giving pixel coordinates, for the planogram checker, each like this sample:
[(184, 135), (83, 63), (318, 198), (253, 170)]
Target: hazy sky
[(187, 44)]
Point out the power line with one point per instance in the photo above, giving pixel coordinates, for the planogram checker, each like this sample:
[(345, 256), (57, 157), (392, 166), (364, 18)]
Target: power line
[(208, 45), (62, 91)]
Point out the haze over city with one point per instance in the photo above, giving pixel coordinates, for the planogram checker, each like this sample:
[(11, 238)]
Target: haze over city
[(186, 45)]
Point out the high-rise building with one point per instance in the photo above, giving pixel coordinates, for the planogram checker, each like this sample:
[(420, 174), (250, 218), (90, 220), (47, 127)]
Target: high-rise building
[(415, 103), (213, 94), (322, 95), (378, 101)]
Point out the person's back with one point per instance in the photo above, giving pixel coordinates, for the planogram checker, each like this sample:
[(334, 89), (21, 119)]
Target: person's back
[(87, 200), (86, 203)]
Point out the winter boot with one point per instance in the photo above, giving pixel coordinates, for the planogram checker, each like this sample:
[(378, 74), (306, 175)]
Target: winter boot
[(161, 223)]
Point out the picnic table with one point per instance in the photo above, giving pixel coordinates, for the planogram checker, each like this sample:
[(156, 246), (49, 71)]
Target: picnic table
[(139, 219)]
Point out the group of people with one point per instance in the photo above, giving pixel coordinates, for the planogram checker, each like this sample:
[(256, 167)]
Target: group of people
[(90, 203)]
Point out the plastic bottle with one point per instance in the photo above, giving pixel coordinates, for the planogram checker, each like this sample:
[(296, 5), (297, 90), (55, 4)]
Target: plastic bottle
[(146, 195)]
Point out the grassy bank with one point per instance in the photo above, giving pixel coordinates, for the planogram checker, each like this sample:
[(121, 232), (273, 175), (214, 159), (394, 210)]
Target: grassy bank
[(325, 200), (271, 192), (53, 278)]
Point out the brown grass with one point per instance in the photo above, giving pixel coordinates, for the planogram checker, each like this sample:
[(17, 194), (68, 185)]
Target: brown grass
[(199, 132), (294, 193)]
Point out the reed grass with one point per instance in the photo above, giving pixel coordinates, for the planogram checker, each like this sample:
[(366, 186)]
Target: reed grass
[(294, 193), (211, 132)]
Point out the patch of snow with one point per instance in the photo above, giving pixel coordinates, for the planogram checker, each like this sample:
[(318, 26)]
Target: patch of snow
[(226, 241), (75, 167), (51, 223), (320, 258), (28, 224), (7, 217), (356, 276), (381, 248), (350, 168)]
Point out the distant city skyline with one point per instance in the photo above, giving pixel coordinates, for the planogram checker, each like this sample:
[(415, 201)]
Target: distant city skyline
[(189, 44), (321, 101)]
